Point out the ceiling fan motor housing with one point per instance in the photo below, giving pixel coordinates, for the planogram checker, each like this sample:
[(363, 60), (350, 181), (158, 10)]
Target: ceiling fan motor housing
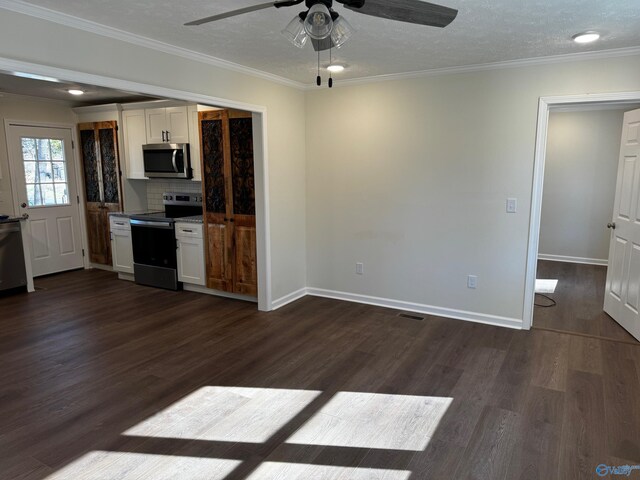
[(327, 3)]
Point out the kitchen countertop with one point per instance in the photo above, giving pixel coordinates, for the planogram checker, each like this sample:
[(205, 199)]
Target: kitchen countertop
[(191, 219), (128, 214), (12, 219)]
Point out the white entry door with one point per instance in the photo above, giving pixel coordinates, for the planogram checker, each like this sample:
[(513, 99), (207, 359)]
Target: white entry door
[(622, 294), (44, 176)]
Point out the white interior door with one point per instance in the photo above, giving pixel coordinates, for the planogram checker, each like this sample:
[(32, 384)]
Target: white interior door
[(44, 177), (622, 294)]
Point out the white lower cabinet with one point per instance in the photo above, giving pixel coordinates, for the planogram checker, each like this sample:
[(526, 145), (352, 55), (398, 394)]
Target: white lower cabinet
[(191, 262), (121, 247)]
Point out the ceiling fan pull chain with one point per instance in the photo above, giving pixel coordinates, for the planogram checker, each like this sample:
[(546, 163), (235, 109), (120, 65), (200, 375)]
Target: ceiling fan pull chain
[(319, 79), (331, 63)]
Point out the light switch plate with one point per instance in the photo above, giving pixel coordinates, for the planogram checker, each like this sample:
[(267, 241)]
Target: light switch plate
[(512, 205)]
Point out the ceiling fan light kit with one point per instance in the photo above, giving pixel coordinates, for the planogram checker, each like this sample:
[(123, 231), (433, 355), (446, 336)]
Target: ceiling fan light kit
[(328, 30), (342, 31), (295, 32), (318, 23)]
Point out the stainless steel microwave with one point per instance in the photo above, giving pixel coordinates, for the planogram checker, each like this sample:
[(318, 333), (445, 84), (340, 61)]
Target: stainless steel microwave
[(167, 160)]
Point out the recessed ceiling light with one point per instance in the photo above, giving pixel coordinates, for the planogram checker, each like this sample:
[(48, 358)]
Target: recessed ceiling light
[(75, 91), (335, 68), (586, 37)]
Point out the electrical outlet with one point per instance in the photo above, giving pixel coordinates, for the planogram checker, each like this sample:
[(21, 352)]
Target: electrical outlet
[(360, 268), (472, 281)]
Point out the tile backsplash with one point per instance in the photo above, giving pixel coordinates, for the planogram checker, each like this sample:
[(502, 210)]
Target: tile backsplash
[(156, 187)]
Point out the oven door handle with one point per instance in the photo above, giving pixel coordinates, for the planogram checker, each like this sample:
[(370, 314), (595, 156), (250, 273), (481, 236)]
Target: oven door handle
[(173, 160), (144, 223)]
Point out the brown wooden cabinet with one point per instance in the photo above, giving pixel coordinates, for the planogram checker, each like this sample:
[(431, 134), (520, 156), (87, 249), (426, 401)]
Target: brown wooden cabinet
[(102, 186), (229, 197)]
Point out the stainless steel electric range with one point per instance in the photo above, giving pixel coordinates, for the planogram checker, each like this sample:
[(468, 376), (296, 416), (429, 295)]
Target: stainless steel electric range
[(154, 240)]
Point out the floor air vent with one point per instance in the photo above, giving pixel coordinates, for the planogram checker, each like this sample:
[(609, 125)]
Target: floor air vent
[(411, 317)]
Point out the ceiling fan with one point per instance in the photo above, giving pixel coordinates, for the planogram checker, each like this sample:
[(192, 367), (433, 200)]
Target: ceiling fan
[(327, 29)]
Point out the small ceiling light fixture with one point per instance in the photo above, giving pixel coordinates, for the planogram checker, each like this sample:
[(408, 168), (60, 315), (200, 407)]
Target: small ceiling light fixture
[(318, 23), (586, 37), (335, 68), (75, 91)]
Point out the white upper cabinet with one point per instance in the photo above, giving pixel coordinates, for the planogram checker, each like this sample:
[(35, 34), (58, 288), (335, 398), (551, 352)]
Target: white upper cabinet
[(135, 135), (167, 125)]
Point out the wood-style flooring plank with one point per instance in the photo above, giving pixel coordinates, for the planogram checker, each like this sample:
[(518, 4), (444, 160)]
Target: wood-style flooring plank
[(100, 377)]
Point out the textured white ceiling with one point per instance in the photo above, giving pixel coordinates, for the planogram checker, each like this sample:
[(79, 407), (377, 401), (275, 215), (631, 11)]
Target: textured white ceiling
[(58, 91), (485, 31)]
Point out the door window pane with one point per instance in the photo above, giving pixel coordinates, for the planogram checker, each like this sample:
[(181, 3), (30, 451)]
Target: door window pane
[(48, 194), (45, 172), (28, 148), (30, 172), (44, 153), (59, 173)]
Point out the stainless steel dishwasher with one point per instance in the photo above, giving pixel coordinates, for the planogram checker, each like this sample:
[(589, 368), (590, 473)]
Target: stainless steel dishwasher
[(12, 270)]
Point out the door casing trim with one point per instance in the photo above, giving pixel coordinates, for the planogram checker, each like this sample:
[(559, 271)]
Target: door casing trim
[(545, 105)]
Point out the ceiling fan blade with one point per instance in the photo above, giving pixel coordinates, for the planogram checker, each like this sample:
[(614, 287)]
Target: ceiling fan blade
[(410, 11), (240, 11)]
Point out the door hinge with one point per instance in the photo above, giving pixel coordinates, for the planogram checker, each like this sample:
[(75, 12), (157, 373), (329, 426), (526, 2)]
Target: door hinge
[(83, 252), (73, 145), (78, 197)]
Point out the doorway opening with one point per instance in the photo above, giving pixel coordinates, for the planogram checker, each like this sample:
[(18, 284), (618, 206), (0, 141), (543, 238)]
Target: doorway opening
[(576, 166), (259, 240)]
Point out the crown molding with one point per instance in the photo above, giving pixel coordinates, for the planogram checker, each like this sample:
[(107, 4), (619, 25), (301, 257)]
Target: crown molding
[(526, 62), (42, 13)]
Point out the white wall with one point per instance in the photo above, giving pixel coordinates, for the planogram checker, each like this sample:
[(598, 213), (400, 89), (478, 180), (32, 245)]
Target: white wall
[(579, 183), (55, 45), (411, 178), (28, 109)]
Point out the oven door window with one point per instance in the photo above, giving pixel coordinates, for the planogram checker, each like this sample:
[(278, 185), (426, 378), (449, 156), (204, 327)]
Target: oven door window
[(154, 246)]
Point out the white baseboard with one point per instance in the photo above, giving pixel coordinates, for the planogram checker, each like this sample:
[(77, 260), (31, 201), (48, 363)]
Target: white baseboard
[(97, 266), (419, 308), (126, 276), (563, 258), (217, 293), (287, 299)]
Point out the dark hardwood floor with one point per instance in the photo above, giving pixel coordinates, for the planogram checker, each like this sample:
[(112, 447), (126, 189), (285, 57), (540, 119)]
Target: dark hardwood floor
[(88, 360), (580, 299)]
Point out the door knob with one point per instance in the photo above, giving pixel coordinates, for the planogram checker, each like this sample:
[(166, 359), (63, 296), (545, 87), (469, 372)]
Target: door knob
[(23, 205), (611, 225)]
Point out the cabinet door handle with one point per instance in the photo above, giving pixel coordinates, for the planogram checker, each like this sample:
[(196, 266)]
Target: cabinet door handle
[(168, 136), (163, 138)]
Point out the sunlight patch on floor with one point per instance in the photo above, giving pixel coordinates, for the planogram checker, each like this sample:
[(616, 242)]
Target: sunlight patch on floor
[(289, 471), (372, 420), (101, 465), (227, 414), (546, 285)]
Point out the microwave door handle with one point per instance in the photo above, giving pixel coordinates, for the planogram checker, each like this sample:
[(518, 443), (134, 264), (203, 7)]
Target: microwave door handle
[(173, 160)]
